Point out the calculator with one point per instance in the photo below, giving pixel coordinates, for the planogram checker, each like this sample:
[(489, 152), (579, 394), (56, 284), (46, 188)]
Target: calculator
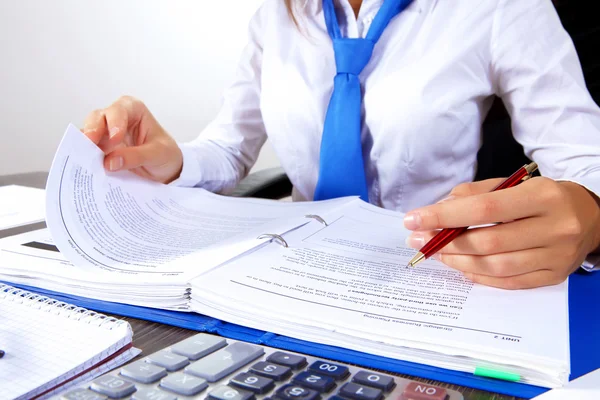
[(211, 367)]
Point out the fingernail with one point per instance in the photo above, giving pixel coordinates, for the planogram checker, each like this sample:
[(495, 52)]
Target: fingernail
[(412, 220), (113, 131), (115, 163), (437, 257), (446, 199), (415, 241)]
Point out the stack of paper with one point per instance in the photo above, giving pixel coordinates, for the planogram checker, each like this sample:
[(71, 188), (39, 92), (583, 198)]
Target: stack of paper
[(131, 239), (339, 279)]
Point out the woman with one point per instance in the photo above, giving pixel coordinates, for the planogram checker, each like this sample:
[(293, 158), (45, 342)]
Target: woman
[(401, 125)]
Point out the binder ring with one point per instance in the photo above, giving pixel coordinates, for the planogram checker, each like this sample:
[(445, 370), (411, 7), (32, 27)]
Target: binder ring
[(275, 237), (316, 217)]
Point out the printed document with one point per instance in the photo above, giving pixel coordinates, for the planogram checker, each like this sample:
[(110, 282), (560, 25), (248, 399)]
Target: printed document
[(331, 272), (349, 278)]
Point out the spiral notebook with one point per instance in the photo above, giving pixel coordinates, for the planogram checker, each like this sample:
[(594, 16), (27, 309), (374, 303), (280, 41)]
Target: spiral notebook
[(51, 345)]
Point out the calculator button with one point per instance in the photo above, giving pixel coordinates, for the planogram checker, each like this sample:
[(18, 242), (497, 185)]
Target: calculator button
[(337, 372), (168, 360), (184, 384), (112, 386), (383, 382), (289, 360), (421, 391), (82, 394), (223, 362), (229, 393), (271, 370), (143, 372), (198, 346), (359, 392), (295, 392), (152, 394), (253, 383), (314, 381)]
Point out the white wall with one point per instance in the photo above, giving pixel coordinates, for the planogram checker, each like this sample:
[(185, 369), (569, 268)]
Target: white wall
[(61, 59)]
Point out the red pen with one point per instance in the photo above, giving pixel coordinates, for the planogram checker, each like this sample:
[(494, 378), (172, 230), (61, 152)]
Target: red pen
[(445, 236)]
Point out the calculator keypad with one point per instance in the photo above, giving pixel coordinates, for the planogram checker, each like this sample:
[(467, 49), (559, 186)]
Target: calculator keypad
[(210, 367), (382, 382), (313, 381)]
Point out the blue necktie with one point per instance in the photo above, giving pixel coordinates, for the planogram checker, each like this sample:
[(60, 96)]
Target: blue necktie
[(341, 166)]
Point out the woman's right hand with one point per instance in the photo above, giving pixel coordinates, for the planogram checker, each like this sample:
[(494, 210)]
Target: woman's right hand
[(133, 140)]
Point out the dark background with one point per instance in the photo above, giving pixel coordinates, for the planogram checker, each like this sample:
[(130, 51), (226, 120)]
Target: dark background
[(500, 154)]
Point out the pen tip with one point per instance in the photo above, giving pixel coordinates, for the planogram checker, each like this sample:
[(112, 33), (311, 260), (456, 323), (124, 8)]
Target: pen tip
[(416, 259)]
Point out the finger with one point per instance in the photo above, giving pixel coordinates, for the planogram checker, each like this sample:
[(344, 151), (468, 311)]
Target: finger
[(126, 158), (525, 281), (117, 121), (487, 208), (94, 126), (473, 188), (513, 236), (504, 264)]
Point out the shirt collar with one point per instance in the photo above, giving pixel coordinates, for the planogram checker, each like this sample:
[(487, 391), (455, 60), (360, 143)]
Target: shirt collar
[(315, 6)]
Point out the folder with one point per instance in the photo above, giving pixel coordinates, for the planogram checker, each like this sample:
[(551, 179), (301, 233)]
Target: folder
[(584, 325)]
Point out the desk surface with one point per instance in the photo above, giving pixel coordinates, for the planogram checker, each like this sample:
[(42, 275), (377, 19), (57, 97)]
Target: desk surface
[(150, 336)]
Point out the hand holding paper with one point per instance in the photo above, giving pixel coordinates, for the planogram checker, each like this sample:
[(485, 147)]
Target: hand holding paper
[(133, 140)]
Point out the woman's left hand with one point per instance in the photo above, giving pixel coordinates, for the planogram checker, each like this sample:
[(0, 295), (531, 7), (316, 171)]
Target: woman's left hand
[(547, 229)]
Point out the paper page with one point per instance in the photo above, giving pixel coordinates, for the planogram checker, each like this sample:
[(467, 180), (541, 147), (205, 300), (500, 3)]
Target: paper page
[(20, 205), (122, 223), (350, 277)]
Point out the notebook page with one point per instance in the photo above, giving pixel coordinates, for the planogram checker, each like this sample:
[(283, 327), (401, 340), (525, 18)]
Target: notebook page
[(94, 373), (47, 345)]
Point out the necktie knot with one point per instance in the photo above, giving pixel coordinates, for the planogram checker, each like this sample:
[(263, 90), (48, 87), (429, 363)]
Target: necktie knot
[(352, 55), (341, 167)]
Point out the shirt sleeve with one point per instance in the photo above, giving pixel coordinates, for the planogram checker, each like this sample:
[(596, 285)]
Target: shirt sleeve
[(538, 75), (228, 147)]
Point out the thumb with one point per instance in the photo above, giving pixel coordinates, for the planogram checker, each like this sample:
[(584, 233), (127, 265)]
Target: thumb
[(126, 158), (474, 188)]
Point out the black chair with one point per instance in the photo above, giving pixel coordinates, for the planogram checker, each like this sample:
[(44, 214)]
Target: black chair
[(579, 21), (500, 154)]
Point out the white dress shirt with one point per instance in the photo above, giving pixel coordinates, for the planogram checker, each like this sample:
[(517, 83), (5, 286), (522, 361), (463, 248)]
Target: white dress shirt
[(427, 90)]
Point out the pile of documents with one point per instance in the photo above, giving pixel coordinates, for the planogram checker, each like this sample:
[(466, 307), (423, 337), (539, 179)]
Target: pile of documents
[(336, 276)]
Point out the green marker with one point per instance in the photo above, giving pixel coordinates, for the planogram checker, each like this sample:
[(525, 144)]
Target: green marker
[(492, 373)]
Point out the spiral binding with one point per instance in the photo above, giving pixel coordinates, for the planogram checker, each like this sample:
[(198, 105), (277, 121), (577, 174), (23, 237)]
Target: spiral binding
[(56, 307)]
